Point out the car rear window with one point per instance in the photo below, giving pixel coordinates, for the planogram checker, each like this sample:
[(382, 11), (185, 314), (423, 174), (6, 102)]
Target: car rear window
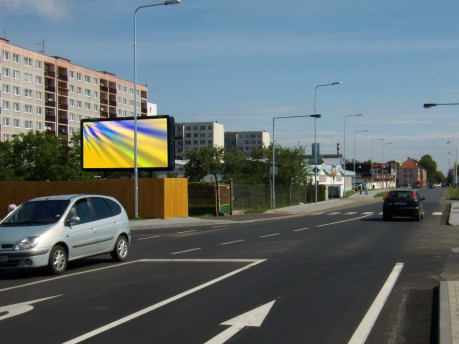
[(401, 195)]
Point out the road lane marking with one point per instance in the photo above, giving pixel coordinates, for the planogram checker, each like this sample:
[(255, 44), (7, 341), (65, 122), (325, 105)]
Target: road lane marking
[(351, 213), (300, 229), (253, 318), (150, 237), (186, 251), (353, 219), (20, 308), (151, 308), (437, 213), (361, 334), (189, 231), (232, 242), (334, 213), (269, 235)]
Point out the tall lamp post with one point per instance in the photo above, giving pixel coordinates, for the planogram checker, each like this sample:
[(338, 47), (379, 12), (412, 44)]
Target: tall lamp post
[(382, 153), (273, 192), (136, 171), (455, 166), (315, 131), (372, 143), (344, 147), (355, 132)]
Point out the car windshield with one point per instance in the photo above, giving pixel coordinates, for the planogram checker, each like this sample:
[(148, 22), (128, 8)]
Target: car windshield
[(36, 213)]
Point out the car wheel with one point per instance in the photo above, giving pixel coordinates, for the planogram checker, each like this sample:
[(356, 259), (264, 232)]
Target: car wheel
[(58, 260), (120, 252), (419, 216), (386, 217)]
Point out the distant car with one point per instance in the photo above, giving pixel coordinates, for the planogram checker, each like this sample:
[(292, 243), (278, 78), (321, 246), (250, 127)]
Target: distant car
[(403, 203), (51, 231)]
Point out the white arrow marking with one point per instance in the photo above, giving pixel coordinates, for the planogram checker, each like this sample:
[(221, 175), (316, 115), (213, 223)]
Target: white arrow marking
[(253, 318), (19, 308)]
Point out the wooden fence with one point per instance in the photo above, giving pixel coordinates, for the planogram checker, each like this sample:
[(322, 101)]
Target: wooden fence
[(158, 198)]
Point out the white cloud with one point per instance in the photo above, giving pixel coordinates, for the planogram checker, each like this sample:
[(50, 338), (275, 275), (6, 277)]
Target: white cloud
[(53, 9)]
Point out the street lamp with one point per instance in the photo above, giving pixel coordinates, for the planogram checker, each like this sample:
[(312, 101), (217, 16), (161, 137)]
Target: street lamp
[(382, 155), (429, 105), (273, 193), (344, 148), (372, 142), (355, 132), (136, 171), (315, 130), (455, 166)]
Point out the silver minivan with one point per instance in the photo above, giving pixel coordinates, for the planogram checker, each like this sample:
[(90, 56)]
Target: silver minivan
[(53, 230)]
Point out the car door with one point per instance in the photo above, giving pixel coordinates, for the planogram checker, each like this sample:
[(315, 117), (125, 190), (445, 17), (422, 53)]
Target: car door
[(106, 224), (82, 234)]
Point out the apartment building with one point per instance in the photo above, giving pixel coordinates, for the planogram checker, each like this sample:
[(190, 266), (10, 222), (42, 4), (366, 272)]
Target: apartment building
[(411, 172), (196, 135), (247, 141), (51, 94)]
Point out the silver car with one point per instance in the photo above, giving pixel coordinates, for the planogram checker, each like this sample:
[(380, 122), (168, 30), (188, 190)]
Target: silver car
[(51, 231)]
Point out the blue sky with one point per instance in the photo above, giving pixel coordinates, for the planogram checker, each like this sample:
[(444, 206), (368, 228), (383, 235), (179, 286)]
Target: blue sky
[(242, 62)]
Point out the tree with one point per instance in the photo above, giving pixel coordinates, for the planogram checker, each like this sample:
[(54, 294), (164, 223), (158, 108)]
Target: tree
[(431, 166), (204, 161)]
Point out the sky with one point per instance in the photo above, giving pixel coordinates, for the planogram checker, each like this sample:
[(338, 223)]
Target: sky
[(244, 62)]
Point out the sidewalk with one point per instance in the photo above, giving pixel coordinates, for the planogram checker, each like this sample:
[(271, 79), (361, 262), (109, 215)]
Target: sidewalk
[(301, 209)]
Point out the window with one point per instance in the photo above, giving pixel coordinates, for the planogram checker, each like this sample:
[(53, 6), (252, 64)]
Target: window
[(16, 107), (39, 80), (87, 92), (28, 77), (17, 123), (79, 104), (6, 55), (39, 126), (101, 207), (16, 74), (39, 95), (72, 89), (28, 109), (6, 88), (71, 74), (6, 72), (87, 78), (6, 137), (16, 91), (38, 64), (28, 124), (6, 121), (72, 103), (79, 76), (39, 110), (87, 106), (72, 117), (96, 81), (27, 93), (6, 105), (16, 58), (28, 61), (79, 90)]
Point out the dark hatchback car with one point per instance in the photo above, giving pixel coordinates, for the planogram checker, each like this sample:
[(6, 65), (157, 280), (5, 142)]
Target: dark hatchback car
[(403, 203)]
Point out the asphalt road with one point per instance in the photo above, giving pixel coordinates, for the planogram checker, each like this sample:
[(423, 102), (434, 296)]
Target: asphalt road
[(307, 279)]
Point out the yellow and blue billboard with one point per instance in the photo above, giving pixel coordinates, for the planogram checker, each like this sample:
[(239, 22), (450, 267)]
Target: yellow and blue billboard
[(108, 144)]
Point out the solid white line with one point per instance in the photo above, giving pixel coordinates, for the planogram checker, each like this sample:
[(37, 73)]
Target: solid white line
[(367, 323), (193, 249), (351, 213), (334, 213), (334, 223), (232, 242), (269, 235), (437, 213), (151, 237), (190, 231), (160, 304)]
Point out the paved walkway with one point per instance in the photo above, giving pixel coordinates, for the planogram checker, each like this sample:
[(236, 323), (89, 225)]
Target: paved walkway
[(300, 209)]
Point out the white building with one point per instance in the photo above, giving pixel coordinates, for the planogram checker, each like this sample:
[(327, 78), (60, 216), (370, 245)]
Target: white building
[(247, 141), (195, 135)]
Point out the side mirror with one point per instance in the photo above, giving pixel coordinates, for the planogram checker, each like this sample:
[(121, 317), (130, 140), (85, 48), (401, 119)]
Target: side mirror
[(74, 220)]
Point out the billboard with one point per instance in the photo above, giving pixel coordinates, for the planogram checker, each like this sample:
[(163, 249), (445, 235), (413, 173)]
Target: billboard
[(108, 144)]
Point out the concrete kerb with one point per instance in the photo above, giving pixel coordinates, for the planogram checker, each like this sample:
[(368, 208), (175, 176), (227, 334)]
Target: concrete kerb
[(453, 218), (297, 210)]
